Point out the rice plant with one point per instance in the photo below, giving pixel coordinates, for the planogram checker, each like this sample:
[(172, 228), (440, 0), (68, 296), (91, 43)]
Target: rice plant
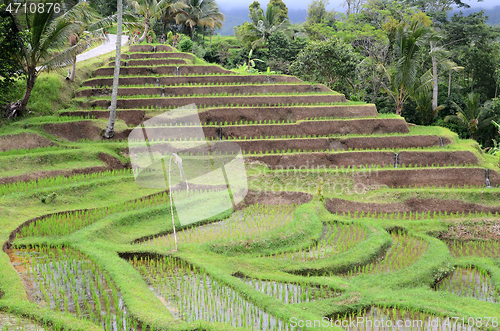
[(191, 295), (65, 280), (404, 251), (470, 282), (290, 292), (336, 239), (61, 224), (383, 318), (59, 180), (252, 222), (460, 248), (9, 322)]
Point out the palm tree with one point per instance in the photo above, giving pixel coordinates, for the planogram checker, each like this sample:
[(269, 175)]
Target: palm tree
[(47, 34), (153, 9), (474, 116), (110, 128), (425, 106), (203, 13), (264, 24), (92, 30), (403, 80)]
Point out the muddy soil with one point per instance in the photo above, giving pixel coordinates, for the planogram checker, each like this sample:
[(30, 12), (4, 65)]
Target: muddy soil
[(130, 117), (148, 62), (310, 128), (309, 160), (23, 141), (335, 144), (410, 205), (474, 230), (219, 101), (237, 114), (111, 163), (196, 90), (162, 55), (74, 131), (151, 48), (274, 198), (165, 70), (428, 177), (436, 158), (206, 80)]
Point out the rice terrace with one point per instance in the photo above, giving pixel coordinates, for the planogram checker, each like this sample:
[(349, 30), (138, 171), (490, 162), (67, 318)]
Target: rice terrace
[(254, 196)]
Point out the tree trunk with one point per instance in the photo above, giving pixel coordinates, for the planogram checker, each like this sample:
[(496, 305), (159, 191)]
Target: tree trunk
[(435, 86), (211, 38), (399, 109), (146, 27), (449, 84), (110, 129), (73, 70), (30, 83)]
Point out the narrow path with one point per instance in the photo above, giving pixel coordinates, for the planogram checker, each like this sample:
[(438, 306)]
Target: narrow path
[(106, 47)]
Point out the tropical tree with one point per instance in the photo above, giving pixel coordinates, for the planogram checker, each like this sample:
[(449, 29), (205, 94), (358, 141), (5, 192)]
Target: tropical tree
[(409, 41), (203, 13), (9, 43), (425, 107), (283, 9), (154, 9), (110, 128), (474, 116), (170, 12), (331, 62), (92, 30), (317, 13), (265, 24), (47, 34)]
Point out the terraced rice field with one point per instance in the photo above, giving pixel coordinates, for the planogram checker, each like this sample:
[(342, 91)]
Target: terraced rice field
[(348, 214)]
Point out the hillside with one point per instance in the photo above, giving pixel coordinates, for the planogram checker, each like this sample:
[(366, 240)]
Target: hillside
[(335, 212), (237, 16)]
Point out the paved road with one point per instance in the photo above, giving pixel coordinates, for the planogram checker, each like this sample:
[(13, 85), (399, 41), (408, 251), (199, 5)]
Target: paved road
[(106, 47)]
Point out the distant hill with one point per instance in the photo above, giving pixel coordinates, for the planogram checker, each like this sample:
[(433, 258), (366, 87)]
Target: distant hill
[(492, 13), (237, 16)]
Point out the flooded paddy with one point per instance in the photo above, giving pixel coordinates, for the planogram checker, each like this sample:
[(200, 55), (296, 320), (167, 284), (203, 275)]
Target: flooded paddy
[(470, 282), (65, 280), (191, 295), (479, 248), (336, 239), (252, 222), (291, 292), (9, 322), (377, 319), (404, 251)]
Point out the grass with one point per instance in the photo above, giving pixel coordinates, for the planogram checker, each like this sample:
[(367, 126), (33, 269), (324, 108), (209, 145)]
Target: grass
[(52, 91)]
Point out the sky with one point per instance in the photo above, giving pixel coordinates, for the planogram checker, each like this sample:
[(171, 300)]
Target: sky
[(336, 4)]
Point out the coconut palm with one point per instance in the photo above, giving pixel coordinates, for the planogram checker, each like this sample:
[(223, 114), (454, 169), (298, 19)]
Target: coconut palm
[(403, 78), (474, 116), (48, 33), (153, 9), (203, 13), (424, 101), (264, 24), (110, 128)]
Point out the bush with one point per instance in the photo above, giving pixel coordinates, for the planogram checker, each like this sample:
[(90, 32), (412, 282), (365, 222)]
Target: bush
[(186, 45), (198, 50)]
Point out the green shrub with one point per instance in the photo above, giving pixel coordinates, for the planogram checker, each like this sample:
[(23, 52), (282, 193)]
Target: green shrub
[(186, 45)]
